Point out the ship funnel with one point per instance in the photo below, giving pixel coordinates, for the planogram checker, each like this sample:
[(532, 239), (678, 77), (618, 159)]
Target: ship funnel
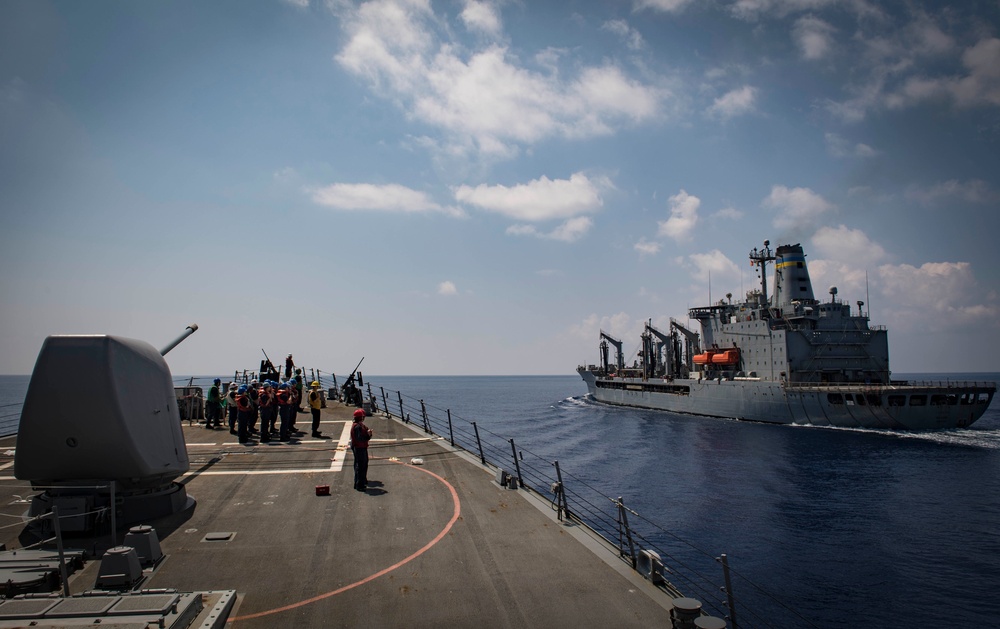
[(791, 277)]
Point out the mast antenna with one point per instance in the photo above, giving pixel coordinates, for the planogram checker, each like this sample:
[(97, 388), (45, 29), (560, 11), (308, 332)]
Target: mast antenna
[(868, 298)]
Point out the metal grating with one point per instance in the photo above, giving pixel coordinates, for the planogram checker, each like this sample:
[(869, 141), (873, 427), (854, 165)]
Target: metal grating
[(26, 608), (146, 604), (83, 606)]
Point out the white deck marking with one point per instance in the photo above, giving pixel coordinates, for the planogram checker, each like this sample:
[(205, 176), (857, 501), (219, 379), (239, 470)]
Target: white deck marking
[(337, 464)]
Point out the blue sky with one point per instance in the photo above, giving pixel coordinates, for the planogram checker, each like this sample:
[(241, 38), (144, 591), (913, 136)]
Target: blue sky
[(474, 187)]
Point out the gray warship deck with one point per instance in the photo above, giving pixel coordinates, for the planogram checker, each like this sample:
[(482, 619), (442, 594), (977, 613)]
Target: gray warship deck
[(428, 545)]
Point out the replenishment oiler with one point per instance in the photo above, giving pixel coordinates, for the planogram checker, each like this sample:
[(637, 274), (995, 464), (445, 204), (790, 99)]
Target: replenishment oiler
[(785, 359)]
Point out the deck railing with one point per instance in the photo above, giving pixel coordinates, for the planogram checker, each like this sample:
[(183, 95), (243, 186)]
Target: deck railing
[(686, 568)]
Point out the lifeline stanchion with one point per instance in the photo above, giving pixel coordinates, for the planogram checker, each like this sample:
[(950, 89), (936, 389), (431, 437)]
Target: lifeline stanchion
[(451, 433), (402, 414), (423, 413), (730, 602), (563, 509), (59, 547), (479, 444), (517, 464), (623, 526)]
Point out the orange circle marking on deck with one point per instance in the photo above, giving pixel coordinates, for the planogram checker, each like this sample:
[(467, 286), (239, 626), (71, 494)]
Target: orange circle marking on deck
[(454, 518)]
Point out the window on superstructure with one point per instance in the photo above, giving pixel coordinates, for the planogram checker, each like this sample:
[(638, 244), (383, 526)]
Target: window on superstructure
[(918, 400)]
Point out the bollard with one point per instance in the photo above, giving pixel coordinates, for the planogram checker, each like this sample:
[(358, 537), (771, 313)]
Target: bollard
[(685, 612)]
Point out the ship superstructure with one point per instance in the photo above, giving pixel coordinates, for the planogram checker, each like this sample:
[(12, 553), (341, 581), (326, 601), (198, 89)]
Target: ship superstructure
[(787, 358)]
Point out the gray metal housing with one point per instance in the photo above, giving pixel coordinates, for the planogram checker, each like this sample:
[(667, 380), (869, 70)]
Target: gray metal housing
[(100, 407)]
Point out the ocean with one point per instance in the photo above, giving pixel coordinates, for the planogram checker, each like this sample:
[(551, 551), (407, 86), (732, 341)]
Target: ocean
[(823, 527)]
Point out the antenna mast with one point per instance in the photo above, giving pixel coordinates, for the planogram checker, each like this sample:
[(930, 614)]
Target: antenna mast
[(761, 258)]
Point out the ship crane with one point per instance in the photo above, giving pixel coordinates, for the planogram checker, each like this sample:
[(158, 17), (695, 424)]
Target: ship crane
[(657, 347), (619, 356), (692, 345)]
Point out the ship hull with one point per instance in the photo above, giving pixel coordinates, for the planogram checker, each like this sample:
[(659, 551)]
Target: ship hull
[(898, 406)]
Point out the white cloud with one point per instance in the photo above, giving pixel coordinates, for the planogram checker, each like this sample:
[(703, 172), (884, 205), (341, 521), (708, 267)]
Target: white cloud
[(935, 295), (734, 103), (619, 325), (301, 4), (521, 230), (633, 39), (666, 6), (447, 288), (813, 36), (483, 17), (730, 213), (979, 86), (683, 216), (753, 9), (797, 207), (569, 231), (378, 198), (484, 100), (572, 230), (713, 265), (538, 200), (840, 147), (842, 244), (647, 247), (971, 191)]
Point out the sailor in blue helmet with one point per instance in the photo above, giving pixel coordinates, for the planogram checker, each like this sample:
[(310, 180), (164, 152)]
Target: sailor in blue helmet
[(213, 405), (285, 410), (244, 414)]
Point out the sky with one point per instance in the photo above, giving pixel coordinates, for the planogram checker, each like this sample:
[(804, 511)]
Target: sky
[(479, 187)]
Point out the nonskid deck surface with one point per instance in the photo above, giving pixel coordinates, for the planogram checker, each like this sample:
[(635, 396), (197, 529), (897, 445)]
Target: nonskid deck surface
[(430, 545)]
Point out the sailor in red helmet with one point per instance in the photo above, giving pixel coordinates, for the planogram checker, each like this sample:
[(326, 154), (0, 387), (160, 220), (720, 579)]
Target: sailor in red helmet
[(360, 435)]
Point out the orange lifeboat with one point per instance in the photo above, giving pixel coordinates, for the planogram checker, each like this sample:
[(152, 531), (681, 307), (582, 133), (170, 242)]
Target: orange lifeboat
[(725, 357), (703, 359)]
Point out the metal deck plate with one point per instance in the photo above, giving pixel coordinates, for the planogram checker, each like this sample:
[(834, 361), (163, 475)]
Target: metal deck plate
[(26, 608), (158, 604), (83, 606)]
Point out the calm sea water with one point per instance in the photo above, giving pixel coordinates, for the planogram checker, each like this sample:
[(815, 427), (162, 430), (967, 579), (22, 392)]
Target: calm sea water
[(846, 527)]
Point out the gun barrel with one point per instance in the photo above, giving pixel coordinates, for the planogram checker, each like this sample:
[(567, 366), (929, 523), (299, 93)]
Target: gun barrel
[(188, 331)]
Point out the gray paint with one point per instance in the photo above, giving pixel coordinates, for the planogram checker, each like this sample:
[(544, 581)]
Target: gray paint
[(801, 361)]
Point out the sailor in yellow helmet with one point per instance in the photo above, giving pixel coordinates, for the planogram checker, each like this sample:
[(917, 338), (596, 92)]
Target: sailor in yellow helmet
[(315, 403)]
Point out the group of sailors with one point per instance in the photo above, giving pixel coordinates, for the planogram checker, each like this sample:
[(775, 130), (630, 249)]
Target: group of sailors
[(274, 403)]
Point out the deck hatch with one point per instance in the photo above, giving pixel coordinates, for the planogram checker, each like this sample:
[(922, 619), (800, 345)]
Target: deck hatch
[(223, 536)]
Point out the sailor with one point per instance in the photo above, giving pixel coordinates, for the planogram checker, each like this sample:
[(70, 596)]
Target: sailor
[(231, 407), (244, 414), (289, 365), (360, 435), (285, 408), (315, 403), (265, 404), (254, 393), (295, 396), (299, 385), (213, 405)]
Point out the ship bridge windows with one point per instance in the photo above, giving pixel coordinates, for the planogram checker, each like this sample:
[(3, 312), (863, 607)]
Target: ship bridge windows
[(918, 400), (897, 400)]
